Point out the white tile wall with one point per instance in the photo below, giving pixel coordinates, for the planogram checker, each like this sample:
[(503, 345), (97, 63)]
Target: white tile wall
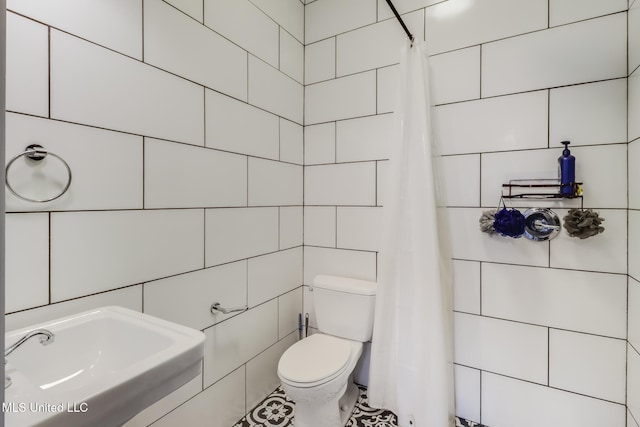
[(633, 381), (455, 76), (508, 402), (245, 24), (232, 343), (460, 23), (291, 142), (508, 348), (98, 251), (467, 389), (291, 57), (593, 113), (634, 33), (376, 45), (27, 261), (187, 298), (338, 262), (402, 6), (387, 88), (634, 313), (291, 226), (289, 307), (634, 105), (466, 287), (320, 144), (237, 233), (222, 403), (496, 124), (634, 175), (193, 50), (539, 60), (366, 138), (320, 226), (588, 364), (274, 91), (343, 98), (274, 183), (634, 243), (120, 93), (288, 13), (458, 180), (114, 182), (320, 61), (545, 296), (359, 228), (179, 175), (563, 11), (27, 68), (232, 125), (274, 274), (193, 8), (342, 184), (114, 24), (329, 17)]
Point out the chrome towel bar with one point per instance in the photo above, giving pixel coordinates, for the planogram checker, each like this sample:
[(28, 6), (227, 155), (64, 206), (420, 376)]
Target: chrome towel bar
[(217, 308)]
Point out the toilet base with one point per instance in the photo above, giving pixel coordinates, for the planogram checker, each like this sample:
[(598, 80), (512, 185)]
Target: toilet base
[(328, 414)]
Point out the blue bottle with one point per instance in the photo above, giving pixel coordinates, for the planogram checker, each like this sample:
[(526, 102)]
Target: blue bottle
[(566, 171)]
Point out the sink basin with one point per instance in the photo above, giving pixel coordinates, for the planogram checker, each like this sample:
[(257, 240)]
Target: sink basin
[(104, 366)]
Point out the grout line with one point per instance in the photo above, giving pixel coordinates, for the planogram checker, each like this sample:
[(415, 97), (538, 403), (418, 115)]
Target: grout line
[(49, 70)]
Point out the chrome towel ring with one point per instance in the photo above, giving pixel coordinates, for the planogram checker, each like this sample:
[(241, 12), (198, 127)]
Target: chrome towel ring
[(36, 152)]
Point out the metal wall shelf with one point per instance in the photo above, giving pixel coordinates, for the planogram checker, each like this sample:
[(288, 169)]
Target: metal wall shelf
[(542, 189)]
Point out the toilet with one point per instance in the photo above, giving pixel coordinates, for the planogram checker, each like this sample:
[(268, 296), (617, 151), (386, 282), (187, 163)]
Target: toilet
[(317, 371)]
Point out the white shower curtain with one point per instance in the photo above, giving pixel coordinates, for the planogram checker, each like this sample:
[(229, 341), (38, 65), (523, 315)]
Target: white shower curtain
[(411, 371)]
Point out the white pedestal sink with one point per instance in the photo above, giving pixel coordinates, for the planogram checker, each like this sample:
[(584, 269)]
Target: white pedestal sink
[(104, 366)]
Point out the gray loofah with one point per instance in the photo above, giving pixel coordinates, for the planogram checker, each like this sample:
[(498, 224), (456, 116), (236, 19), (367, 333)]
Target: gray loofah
[(486, 222), (583, 223)]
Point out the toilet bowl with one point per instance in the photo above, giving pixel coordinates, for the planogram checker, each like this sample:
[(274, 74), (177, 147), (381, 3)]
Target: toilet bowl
[(317, 372)]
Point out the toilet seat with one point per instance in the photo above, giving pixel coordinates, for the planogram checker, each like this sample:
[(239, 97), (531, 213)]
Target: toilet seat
[(314, 360)]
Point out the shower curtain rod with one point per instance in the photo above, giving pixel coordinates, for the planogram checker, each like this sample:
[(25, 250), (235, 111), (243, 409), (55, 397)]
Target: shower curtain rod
[(404, 26)]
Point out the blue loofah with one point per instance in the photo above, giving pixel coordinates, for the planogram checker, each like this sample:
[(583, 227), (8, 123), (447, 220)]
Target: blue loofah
[(509, 222)]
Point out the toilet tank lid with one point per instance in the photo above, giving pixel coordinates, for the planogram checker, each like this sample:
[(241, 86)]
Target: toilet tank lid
[(345, 284)]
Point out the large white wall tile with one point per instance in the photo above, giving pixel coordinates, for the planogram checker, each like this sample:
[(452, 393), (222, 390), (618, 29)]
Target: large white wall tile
[(588, 364), (114, 24), (193, 51), (342, 184), (460, 23), (338, 262), (274, 183), (320, 226), (130, 297), (466, 286), (343, 98), (116, 92), (320, 61), (291, 226), (178, 175), (467, 390), (246, 25), (587, 114), (288, 13), (469, 243), (193, 8), (500, 346), (566, 11), (274, 274), (26, 248), (633, 381), (496, 124), (604, 252), (458, 176), (329, 17), (376, 45), (634, 105), (232, 125), (262, 371), (455, 76), (387, 88), (545, 296), (508, 402), (634, 36), (366, 138), (634, 244), (289, 307), (98, 251), (232, 343), (360, 228), (187, 298), (634, 175), (634, 313), (274, 91), (320, 144), (223, 402), (539, 60), (291, 57), (27, 66), (237, 233), (113, 182), (291, 142)]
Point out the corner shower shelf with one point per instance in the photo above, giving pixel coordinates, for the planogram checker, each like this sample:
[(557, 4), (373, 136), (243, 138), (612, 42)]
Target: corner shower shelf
[(542, 189)]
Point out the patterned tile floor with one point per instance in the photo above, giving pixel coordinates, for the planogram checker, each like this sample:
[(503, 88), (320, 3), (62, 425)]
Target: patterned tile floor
[(277, 410)]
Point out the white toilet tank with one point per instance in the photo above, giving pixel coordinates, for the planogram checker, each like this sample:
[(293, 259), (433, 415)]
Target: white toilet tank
[(344, 307)]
